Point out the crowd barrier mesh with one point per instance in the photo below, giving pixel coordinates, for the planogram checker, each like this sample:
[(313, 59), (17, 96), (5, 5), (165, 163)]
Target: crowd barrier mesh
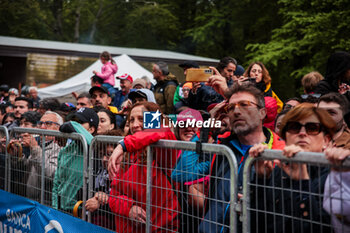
[(153, 191), (169, 185), (301, 194), (49, 167)]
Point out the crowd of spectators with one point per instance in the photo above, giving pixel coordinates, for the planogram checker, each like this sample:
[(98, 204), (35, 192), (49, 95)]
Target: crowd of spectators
[(253, 118)]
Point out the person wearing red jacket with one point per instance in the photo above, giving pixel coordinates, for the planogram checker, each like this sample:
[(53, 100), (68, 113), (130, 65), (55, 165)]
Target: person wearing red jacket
[(128, 188)]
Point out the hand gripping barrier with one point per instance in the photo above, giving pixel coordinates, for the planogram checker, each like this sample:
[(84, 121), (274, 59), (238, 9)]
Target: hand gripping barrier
[(52, 169), (301, 194), (147, 181)]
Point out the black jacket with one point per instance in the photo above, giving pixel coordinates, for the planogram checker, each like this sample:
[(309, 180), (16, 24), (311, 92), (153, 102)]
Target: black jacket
[(288, 205), (203, 98), (337, 65)]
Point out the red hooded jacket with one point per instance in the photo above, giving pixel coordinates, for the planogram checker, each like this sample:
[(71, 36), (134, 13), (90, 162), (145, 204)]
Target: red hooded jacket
[(129, 187)]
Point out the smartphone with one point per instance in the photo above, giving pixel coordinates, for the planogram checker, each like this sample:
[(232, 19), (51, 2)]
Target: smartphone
[(251, 80), (198, 74)]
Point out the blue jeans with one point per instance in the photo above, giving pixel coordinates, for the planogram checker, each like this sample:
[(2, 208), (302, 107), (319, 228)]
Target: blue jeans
[(110, 88)]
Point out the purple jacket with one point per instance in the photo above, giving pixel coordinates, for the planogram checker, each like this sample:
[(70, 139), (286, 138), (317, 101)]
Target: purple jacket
[(337, 200), (107, 73)]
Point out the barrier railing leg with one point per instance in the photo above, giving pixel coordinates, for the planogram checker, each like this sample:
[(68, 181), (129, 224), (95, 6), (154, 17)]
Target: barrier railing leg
[(85, 176), (6, 170), (148, 189), (90, 175), (42, 193), (9, 173)]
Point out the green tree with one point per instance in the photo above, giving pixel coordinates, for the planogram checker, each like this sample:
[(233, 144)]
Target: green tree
[(151, 26), (225, 27), (311, 31), (24, 18)]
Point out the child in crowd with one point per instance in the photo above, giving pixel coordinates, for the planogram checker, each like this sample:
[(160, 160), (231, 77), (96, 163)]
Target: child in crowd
[(108, 70)]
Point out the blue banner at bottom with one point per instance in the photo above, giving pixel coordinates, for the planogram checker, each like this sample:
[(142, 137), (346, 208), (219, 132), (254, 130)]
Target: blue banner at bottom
[(19, 214)]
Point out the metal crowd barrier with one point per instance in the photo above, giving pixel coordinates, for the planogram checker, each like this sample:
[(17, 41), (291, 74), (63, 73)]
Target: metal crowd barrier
[(146, 181), (49, 167), (4, 140), (101, 148), (307, 200), (197, 215), (170, 199)]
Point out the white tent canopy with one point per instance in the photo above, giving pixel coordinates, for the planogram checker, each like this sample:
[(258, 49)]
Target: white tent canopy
[(81, 82)]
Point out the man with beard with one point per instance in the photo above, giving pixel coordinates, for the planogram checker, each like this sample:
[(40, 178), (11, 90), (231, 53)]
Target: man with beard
[(101, 97), (227, 67), (337, 106), (246, 111), (22, 105)]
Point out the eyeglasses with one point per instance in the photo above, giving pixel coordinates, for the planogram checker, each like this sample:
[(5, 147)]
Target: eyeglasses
[(47, 123), (311, 128), (305, 96), (244, 104)]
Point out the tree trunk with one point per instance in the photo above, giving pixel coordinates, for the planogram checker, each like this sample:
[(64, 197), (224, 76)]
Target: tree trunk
[(77, 22), (57, 13), (93, 27)]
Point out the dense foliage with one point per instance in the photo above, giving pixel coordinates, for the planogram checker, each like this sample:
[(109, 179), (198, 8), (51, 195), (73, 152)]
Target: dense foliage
[(292, 37)]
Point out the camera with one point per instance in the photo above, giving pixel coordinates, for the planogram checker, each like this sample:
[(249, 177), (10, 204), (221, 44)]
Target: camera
[(251, 80)]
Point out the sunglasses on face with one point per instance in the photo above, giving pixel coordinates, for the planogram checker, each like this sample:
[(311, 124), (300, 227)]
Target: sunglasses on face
[(306, 96), (311, 128), (244, 104)]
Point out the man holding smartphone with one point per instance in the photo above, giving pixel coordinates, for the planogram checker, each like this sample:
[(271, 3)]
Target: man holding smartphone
[(201, 96)]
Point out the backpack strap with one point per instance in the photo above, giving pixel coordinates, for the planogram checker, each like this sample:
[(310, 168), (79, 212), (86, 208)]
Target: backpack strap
[(162, 88)]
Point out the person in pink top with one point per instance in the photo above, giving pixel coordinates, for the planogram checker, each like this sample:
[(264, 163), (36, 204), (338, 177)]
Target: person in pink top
[(108, 70)]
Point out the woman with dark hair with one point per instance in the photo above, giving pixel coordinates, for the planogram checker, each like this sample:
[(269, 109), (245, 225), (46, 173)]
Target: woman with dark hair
[(8, 119), (262, 79), (129, 175), (295, 188), (107, 121), (98, 204), (278, 120)]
